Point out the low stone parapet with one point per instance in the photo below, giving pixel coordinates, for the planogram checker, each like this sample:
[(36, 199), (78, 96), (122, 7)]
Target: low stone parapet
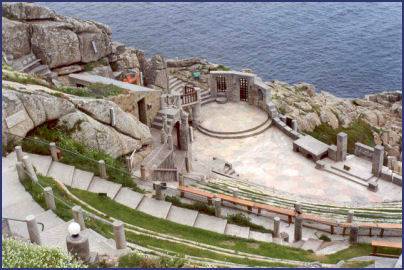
[(362, 150)]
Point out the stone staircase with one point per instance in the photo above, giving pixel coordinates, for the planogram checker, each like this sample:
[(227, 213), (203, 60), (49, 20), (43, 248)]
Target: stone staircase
[(70, 176), (30, 64), (18, 204), (175, 85), (158, 119)]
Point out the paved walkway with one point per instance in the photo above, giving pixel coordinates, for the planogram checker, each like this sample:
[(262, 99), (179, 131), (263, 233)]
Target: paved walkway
[(17, 203)]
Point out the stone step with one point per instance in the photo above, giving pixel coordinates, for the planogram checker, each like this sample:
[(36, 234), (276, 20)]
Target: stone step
[(209, 100), (345, 176), (61, 172), (21, 209), (159, 119), (297, 244), (312, 244), (154, 207), (99, 185), (238, 231), (56, 236), (259, 236), (332, 247), (210, 223), (82, 179), (41, 163), (182, 215), (38, 69), (49, 220), (128, 197)]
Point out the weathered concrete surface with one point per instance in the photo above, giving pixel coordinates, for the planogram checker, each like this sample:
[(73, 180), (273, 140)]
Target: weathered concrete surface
[(61, 172), (268, 159), (210, 223), (235, 230), (41, 163), (259, 236), (103, 186), (182, 215), (82, 179), (154, 207), (128, 197)]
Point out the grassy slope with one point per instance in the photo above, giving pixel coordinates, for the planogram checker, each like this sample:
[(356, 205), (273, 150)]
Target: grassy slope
[(358, 131)]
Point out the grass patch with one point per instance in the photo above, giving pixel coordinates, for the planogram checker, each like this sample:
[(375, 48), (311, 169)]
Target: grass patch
[(77, 154), (221, 67), (95, 90), (90, 66), (198, 206), (358, 131), (23, 78), (140, 261), (357, 264), (325, 238)]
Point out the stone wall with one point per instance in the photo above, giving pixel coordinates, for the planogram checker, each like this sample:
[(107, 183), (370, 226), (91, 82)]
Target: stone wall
[(129, 103), (362, 150)]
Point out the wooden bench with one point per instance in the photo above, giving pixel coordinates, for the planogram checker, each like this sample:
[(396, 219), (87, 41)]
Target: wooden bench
[(385, 244), (274, 209), (317, 219), (195, 191), (238, 201)]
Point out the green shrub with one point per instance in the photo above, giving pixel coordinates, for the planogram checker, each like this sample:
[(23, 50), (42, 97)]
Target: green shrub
[(242, 220), (325, 238), (17, 254), (358, 131), (141, 261), (198, 206)]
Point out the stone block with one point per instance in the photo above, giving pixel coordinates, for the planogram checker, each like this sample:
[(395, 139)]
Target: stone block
[(342, 146), (320, 164), (332, 152), (377, 160), (397, 179), (373, 186)]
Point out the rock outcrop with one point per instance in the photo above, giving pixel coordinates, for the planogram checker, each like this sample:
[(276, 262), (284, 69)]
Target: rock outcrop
[(381, 111), (88, 120), (57, 40)]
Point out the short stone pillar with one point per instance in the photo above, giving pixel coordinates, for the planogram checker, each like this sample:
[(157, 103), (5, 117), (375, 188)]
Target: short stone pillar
[(342, 146), (350, 216), (277, 223), (142, 172), (191, 134), (284, 236), (102, 169), (298, 228), (294, 124), (119, 234), (377, 160), (235, 192), (391, 161), (49, 198), (19, 153), (188, 163), (77, 244), (78, 216), (29, 168), (196, 111), (112, 116), (20, 171), (157, 190), (33, 230), (217, 202), (170, 142), (181, 179), (298, 208), (5, 228), (128, 162), (354, 234), (54, 151)]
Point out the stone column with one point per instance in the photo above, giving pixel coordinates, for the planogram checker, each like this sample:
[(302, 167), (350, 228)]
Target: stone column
[(196, 110), (188, 163), (142, 172), (170, 141), (181, 179), (18, 152), (162, 102), (377, 160), (103, 169), (350, 216), (33, 230), (112, 116), (49, 198), (21, 171), (158, 193), (342, 146), (78, 245), (298, 228), (184, 131), (298, 208), (119, 234), (294, 125), (54, 151), (354, 234), (128, 164), (29, 168), (217, 202), (78, 216), (191, 134), (277, 222)]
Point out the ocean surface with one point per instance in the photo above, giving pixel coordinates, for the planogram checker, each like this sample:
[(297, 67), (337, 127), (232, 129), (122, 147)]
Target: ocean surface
[(348, 49)]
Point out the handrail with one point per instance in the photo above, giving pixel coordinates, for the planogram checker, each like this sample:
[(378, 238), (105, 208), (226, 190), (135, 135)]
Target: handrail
[(21, 220)]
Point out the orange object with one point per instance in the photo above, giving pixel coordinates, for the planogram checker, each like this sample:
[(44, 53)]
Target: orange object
[(133, 80)]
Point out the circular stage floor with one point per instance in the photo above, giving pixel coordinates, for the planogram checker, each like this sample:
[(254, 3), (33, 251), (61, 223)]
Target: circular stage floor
[(231, 117)]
